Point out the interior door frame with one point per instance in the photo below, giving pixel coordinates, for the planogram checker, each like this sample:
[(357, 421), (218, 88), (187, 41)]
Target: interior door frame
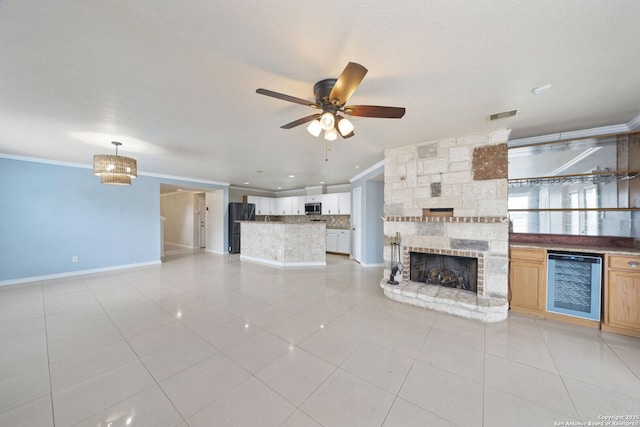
[(356, 223), (202, 221)]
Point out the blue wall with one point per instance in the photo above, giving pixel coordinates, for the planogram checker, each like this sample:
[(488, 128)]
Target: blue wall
[(50, 213), (372, 209)]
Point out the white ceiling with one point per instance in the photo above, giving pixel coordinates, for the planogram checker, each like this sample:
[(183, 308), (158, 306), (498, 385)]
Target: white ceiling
[(175, 81)]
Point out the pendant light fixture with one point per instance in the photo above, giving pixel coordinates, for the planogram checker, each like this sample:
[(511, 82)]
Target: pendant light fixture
[(115, 170)]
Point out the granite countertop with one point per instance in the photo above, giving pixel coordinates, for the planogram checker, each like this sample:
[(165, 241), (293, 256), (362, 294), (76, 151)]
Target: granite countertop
[(577, 248)]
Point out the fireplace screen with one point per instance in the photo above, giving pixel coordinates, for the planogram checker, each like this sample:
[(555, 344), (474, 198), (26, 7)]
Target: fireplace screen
[(444, 270)]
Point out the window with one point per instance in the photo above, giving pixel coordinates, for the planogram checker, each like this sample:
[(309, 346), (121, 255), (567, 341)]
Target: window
[(519, 220)]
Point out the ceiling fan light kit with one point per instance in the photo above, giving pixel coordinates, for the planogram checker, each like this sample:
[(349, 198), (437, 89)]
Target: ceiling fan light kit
[(345, 127), (327, 121), (331, 96), (314, 128), (331, 134)]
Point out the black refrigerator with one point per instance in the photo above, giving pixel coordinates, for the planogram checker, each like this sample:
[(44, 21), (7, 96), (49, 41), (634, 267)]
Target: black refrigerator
[(238, 212)]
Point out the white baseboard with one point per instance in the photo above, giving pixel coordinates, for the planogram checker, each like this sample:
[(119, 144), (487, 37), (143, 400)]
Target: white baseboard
[(211, 251), (282, 264), (75, 273), (377, 265), (179, 245)]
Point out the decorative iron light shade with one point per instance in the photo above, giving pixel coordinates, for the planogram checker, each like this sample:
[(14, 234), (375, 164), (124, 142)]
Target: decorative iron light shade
[(116, 170)]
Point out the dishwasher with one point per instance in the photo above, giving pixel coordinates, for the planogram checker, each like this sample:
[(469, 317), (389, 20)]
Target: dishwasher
[(574, 283)]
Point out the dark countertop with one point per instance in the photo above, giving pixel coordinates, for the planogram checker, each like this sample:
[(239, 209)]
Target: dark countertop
[(576, 248)]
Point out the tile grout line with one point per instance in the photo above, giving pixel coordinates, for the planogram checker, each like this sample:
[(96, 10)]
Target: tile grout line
[(564, 384), (138, 360), (46, 341)]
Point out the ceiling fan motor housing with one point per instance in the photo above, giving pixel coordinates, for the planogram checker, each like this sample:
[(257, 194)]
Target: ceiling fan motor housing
[(322, 90)]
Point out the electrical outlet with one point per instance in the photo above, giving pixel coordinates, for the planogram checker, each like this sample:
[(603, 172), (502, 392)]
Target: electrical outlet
[(74, 258)]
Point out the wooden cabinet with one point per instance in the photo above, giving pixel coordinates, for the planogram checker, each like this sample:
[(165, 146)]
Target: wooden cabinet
[(528, 281), (622, 295)]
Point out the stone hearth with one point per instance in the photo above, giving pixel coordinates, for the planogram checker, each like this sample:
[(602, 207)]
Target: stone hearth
[(466, 177)]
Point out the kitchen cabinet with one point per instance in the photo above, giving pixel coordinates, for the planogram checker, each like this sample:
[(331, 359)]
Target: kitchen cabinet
[(344, 203), (332, 241), (622, 295), (527, 281), (339, 241), (283, 205), (264, 205), (254, 200), (344, 242), (329, 204), (270, 205), (336, 204), (316, 198), (297, 205)]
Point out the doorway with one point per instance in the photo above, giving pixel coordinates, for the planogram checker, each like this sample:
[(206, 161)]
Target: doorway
[(201, 221)]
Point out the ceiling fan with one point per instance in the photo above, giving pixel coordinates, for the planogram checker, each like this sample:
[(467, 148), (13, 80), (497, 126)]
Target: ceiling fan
[(331, 97)]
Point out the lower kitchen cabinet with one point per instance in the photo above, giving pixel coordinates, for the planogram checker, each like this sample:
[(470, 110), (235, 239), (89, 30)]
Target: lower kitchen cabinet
[(528, 281), (622, 295), (339, 241)]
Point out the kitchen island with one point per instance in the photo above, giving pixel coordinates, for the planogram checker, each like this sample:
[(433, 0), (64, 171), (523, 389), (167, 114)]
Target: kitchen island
[(285, 244)]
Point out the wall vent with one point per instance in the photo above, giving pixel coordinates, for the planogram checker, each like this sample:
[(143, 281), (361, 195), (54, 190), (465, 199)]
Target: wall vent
[(503, 115)]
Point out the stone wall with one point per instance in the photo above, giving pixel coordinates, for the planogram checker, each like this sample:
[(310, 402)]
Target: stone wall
[(468, 174)]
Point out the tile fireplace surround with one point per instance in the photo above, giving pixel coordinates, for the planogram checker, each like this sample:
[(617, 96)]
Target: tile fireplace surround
[(469, 175)]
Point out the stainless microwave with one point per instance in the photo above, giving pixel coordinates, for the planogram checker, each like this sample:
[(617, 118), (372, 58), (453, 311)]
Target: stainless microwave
[(313, 208)]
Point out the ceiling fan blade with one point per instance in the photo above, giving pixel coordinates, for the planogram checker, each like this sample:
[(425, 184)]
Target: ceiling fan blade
[(347, 83), (300, 121), (375, 111), (284, 97)]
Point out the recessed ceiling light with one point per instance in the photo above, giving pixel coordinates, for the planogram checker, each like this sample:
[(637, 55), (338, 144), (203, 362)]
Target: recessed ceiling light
[(292, 176), (246, 183), (357, 166), (279, 188), (321, 182), (542, 88)]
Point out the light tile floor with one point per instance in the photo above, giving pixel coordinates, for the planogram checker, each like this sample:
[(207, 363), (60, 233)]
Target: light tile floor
[(207, 340)]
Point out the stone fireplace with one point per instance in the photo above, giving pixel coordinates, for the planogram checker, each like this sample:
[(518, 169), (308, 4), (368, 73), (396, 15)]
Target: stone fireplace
[(447, 201), (453, 269)]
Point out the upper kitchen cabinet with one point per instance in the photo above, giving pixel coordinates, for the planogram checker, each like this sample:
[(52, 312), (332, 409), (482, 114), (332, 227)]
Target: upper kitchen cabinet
[(336, 204), (283, 205), (297, 205), (264, 205), (344, 203)]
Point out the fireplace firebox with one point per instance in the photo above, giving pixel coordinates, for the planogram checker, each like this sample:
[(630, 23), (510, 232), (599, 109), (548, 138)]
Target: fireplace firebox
[(444, 270)]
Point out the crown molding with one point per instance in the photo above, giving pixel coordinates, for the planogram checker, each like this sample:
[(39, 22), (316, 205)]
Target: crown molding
[(85, 166), (631, 125)]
